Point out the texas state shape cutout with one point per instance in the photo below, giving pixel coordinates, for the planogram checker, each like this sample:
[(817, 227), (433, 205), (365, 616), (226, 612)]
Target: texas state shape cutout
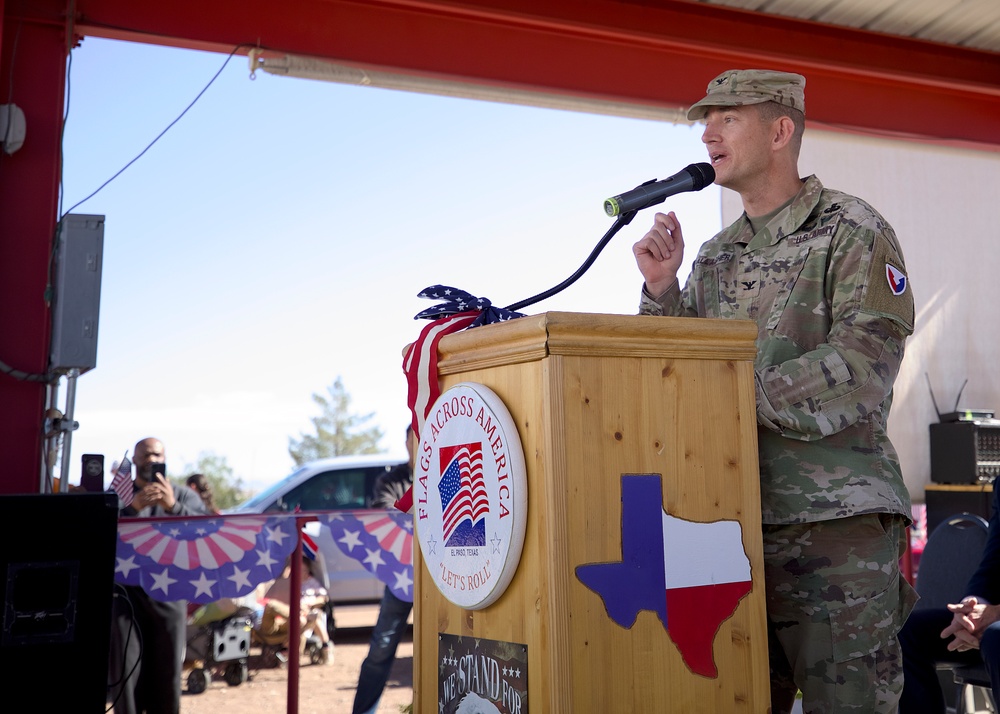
[(692, 575)]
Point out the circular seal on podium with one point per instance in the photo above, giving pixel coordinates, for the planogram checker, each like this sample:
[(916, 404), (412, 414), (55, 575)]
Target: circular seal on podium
[(470, 495)]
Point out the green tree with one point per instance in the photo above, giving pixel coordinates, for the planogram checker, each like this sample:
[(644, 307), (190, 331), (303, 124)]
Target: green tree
[(227, 489), (338, 431)]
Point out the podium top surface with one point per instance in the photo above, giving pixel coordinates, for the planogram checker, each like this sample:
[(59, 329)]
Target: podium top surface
[(535, 337)]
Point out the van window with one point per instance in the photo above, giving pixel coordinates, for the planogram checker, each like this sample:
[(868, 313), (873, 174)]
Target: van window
[(341, 489)]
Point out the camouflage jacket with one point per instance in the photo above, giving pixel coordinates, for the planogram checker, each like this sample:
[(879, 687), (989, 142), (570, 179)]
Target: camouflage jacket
[(825, 282)]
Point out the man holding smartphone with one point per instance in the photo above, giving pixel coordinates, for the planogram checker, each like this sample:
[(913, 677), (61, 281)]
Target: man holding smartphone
[(148, 637), (152, 490)]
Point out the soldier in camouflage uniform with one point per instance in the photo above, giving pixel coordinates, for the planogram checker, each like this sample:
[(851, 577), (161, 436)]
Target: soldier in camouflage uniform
[(822, 275)]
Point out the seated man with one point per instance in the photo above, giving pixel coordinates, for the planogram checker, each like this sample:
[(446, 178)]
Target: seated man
[(274, 628), (967, 632)]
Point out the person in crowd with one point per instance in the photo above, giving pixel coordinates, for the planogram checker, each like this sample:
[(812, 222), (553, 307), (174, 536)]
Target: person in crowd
[(822, 275), (393, 612), (148, 642), (200, 485), (964, 633), (274, 626)]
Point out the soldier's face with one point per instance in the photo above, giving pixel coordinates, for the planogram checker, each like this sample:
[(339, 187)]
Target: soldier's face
[(738, 146)]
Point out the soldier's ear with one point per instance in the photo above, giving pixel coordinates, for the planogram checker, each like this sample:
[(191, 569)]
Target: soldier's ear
[(783, 129)]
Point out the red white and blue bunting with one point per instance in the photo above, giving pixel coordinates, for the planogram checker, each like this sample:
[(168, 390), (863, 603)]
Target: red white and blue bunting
[(203, 559)]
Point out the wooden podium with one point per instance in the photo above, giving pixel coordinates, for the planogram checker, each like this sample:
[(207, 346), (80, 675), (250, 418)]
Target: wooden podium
[(595, 397)]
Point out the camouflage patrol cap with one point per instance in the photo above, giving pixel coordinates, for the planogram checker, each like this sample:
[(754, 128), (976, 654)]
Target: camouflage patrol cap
[(737, 87)]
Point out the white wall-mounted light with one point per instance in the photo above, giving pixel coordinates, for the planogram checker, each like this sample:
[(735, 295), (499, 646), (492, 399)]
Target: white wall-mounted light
[(12, 127), (314, 68)]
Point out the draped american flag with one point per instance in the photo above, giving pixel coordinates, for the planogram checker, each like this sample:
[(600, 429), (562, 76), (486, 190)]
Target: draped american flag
[(458, 311), (420, 364), (122, 482)]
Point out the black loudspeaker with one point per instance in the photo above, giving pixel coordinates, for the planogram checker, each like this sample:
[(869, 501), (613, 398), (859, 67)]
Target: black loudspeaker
[(57, 564), (966, 452)]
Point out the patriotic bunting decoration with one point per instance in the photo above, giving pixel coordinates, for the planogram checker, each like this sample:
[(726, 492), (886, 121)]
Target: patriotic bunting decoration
[(458, 311), (382, 542), (202, 559)]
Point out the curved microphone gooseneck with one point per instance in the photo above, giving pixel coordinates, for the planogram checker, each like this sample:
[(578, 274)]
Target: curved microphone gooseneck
[(692, 178)]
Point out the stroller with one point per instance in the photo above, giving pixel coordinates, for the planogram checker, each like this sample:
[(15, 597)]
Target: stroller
[(220, 644)]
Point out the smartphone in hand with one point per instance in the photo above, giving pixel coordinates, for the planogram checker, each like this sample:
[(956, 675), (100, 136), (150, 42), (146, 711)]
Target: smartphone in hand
[(92, 473), (158, 472)]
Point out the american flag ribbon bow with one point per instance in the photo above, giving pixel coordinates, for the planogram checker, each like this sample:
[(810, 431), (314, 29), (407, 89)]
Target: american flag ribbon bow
[(457, 301), (458, 311)]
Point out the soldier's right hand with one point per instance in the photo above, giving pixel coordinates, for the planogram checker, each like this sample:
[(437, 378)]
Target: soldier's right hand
[(660, 252)]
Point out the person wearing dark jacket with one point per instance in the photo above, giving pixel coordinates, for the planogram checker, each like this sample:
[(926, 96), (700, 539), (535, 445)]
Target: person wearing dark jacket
[(148, 637), (966, 632), (393, 612)]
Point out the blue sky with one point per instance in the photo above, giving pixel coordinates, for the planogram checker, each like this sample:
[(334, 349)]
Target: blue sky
[(277, 235)]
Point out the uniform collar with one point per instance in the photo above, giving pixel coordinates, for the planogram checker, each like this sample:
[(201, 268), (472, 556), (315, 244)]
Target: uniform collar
[(787, 222)]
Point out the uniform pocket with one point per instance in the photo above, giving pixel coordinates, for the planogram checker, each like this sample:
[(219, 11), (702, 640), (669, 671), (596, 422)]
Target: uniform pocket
[(866, 627), (777, 287)]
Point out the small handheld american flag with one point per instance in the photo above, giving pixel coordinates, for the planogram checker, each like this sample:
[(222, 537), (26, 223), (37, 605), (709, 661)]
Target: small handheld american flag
[(122, 482)]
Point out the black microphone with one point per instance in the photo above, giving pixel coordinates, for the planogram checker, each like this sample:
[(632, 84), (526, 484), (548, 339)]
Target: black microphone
[(693, 178)]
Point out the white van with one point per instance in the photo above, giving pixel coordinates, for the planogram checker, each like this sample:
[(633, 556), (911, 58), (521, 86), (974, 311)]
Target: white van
[(341, 483)]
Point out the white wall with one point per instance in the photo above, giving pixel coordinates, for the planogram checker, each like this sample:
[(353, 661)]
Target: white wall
[(942, 203)]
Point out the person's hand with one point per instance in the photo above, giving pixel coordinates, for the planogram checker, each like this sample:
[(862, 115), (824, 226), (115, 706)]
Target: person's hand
[(660, 252), (970, 618), (310, 602), (157, 493)]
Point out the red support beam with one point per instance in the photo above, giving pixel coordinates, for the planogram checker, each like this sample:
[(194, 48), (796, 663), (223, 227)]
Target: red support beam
[(650, 53), (32, 75), (653, 53)]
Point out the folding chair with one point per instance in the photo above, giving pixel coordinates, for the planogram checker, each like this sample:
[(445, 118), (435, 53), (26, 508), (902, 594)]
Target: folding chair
[(951, 556), (968, 678)]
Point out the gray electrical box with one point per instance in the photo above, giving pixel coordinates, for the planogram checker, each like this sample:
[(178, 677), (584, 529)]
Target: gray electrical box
[(77, 302)]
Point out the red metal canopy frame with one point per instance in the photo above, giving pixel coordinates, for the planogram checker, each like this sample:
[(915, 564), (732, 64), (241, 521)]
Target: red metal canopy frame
[(653, 53)]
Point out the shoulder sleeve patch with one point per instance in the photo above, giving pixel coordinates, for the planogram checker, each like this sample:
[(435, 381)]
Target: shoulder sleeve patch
[(887, 287)]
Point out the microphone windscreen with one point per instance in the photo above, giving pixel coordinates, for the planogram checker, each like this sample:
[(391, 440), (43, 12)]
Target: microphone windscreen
[(703, 174)]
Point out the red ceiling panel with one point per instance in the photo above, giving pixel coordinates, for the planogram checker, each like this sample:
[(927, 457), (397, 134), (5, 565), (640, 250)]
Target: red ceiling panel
[(653, 53), (658, 53)]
